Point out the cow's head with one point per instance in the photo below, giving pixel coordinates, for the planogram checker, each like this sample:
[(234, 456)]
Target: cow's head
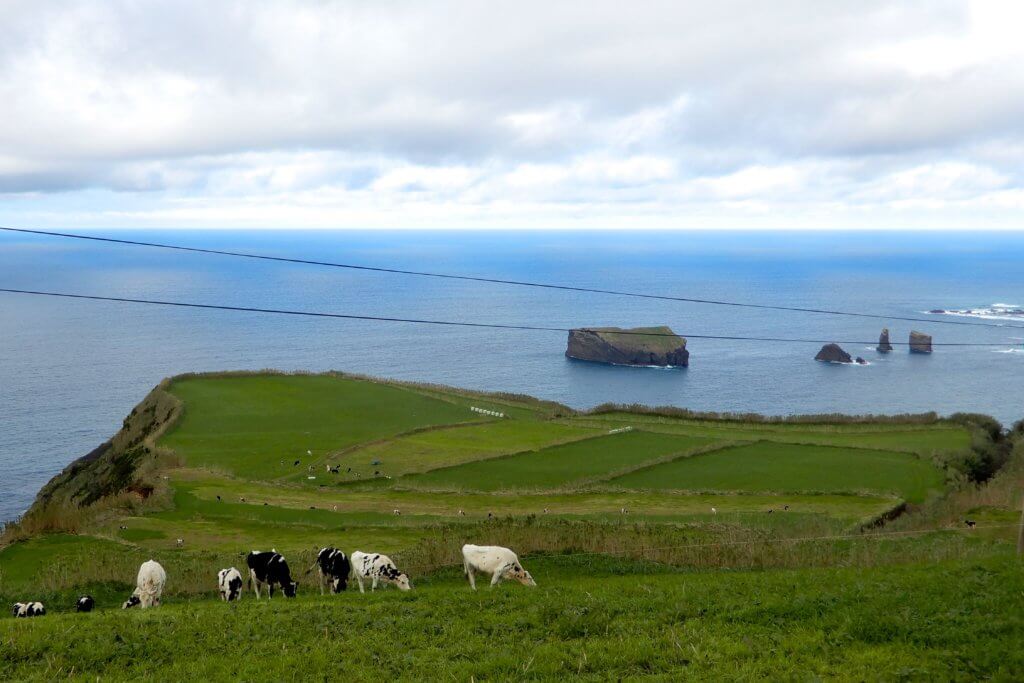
[(289, 589), (402, 581), (340, 584), (133, 601), (517, 573)]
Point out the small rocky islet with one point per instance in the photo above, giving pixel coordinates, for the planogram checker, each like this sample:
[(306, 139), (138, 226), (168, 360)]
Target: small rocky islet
[(637, 346)]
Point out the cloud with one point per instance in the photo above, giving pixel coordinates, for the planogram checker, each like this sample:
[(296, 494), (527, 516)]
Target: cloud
[(662, 114)]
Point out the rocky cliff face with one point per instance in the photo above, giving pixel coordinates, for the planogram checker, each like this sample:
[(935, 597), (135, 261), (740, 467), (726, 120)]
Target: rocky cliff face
[(883, 341), (833, 353), (920, 342), (636, 346)]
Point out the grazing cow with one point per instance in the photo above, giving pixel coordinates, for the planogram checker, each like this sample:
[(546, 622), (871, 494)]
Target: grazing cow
[(500, 563), (229, 582), (149, 586), (396, 511), (785, 507), (970, 523), (714, 511), (624, 511), (333, 567), (180, 542), (270, 568), (85, 603), (377, 567), (28, 609), (295, 464), (462, 513)]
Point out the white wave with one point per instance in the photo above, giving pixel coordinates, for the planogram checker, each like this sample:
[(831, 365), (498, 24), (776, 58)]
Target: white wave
[(1005, 305), (1008, 351)]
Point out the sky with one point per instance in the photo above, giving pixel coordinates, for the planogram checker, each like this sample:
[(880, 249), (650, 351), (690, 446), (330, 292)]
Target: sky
[(796, 114)]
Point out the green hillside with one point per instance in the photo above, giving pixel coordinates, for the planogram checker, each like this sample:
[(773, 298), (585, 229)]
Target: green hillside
[(599, 505)]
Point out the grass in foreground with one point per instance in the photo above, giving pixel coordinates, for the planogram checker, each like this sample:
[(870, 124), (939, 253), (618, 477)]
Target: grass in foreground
[(597, 619), (769, 466)]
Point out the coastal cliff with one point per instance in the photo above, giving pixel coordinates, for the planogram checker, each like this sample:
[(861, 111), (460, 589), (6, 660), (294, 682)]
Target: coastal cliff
[(637, 346), (920, 342)]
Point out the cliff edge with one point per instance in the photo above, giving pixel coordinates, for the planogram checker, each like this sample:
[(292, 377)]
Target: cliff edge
[(636, 346)]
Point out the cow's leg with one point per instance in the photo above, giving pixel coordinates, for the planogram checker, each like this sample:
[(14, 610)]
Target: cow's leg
[(469, 575), (496, 579), (270, 590), (374, 586), (254, 582), (359, 580), (322, 578)]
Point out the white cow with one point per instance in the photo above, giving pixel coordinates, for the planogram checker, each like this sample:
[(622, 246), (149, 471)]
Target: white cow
[(500, 563), (229, 582), (378, 568), (149, 586)]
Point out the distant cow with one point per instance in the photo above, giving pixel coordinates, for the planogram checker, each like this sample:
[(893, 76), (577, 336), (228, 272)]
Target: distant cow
[(28, 609), (85, 603), (229, 583), (149, 586), (377, 567), (270, 568), (500, 563), (333, 567)]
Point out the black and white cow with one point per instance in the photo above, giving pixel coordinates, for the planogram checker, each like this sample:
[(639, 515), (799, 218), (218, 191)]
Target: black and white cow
[(333, 567), (378, 568), (85, 603), (270, 568), (229, 582), (28, 609)]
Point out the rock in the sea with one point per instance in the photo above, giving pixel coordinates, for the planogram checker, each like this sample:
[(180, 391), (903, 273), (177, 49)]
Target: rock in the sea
[(636, 346), (883, 341), (860, 361), (833, 353), (920, 342)]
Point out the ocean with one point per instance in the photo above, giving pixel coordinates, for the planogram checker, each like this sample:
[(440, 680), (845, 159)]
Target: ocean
[(70, 370)]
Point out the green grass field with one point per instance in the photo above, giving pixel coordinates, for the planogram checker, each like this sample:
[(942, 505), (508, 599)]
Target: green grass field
[(563, 465), (652, 547), (249, 426), (617, 620), (768, 466), (445, 447)]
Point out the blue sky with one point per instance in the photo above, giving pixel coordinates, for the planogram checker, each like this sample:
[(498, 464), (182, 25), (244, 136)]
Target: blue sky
[(789, 114)]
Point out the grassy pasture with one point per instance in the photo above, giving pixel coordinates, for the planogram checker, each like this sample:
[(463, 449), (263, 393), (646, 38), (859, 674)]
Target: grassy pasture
[(768, 466), (670, 591), (597, 621), (436, 448), (248, 425), (562, 465), (446, 504), (922, 439)]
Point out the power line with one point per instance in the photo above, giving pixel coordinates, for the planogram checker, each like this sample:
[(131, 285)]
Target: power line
[(452, 323), (500, 281)]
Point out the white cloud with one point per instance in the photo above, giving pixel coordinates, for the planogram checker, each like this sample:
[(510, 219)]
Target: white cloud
[(458, 113)]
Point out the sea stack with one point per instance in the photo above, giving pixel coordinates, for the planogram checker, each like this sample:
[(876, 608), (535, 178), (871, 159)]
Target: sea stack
[(637, 346), (920, 342), (833, 353), (883, 341)]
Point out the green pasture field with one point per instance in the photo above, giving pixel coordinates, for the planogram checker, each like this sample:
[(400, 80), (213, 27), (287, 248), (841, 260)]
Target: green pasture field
[(444, 447), (562, 465), (769, 466), (922, 439), (249, 425), (595, 619)]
